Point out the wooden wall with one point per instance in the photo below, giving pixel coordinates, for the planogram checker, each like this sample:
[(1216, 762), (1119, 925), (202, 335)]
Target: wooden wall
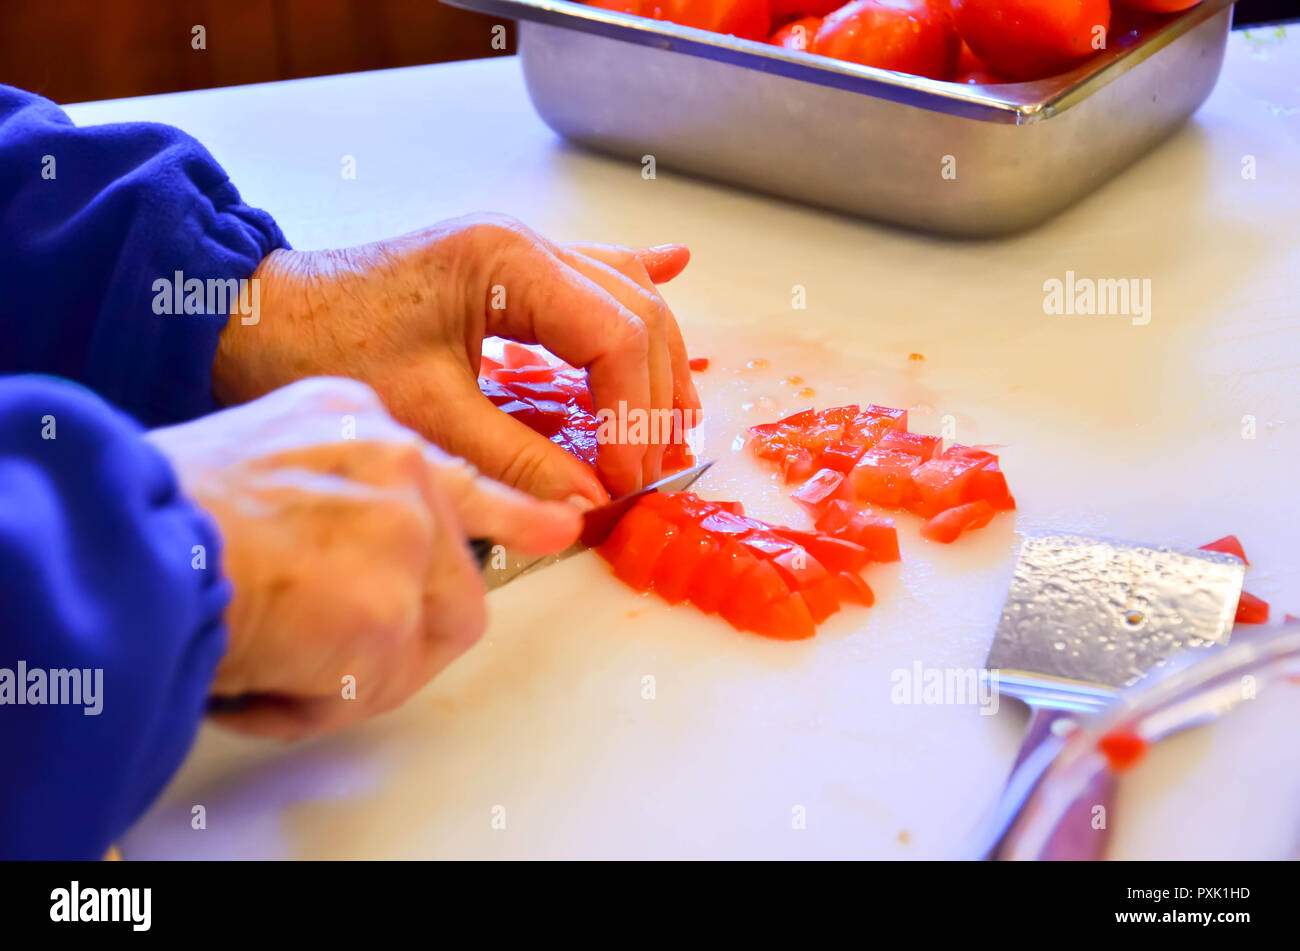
[(76, 50)]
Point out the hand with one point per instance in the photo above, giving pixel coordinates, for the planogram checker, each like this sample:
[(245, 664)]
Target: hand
[(408, 316), (344, 538)]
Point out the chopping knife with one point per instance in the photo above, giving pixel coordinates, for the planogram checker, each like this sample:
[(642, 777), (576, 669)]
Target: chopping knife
[(502, 567), (1085, 617), (597, 524)]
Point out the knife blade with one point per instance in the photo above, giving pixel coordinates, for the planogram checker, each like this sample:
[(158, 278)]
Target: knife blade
[(501, 567)]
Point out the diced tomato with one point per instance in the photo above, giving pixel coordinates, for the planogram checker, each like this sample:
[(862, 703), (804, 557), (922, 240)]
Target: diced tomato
[(866, 430), (755, 589), (822, 598), (765, 544), (635, 545), (722, 522), (517, 355), (486, 365), (941, 484), (698, 364), (878, 535), (785, 619), (718, 574), (799, 568), (841, 456), (1251, 610), (836, 554), (529, 373), (988, 483), (948, 524), (1122, 749), (799, 420), (853, 588), (681, 560), (838, 415), (913, 443), (1228, 544), (896, 416), (825, 486), (797, 465), (735, 508), (677, 456), (885, 477)]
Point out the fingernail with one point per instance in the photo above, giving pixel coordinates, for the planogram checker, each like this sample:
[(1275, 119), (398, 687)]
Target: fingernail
[(665, 248), (581, 502)]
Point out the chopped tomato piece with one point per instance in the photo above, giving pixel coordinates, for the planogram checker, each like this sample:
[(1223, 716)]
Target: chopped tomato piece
[(718, 575), (517, 355), (836, 554), (699, 364), (799, 568), (486, 365), (885, 477), (822, 598), (681, 560), (846, 521), (766, 544), (1251, 610), (853, 588), (677, 456), (896, 416), (1122, 749), (785, 619), (914, 443), (1228, 544), (866, 429), (635, 545), (942, 483), (797, 465), (841, 456), (799, 420), (948, 524), (825, 486)]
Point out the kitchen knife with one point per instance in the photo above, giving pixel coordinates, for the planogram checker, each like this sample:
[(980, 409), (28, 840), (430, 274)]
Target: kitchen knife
[(500, 566), (1085, 617)]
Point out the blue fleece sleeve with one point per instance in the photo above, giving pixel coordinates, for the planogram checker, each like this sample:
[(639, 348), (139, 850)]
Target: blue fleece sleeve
[(112, 598), (91, 219)]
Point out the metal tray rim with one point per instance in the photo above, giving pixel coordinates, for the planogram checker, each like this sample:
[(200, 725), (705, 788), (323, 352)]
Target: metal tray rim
[(1016, 103)]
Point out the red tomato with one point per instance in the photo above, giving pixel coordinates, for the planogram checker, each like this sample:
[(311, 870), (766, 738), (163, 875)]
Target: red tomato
[(842, 456), (681, 559), (948, 524), (1229, 544), (853, 588), (517, 355), (783, 10), (822, 598), (1122, 749), (748, 19), (798, 568), (1251, 610), (716, 577), (972, 71), (798, 35), (877, 535), (1157, 6), (699, 364), (1031, 39), (797, 465), (942, 484), (635, 545), (908, 36)]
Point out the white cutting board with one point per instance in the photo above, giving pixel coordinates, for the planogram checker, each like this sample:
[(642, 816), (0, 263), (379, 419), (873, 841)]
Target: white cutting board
[(1111, 428)]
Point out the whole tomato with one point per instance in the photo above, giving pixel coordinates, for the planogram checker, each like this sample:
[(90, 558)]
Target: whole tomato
[(908, 36), (1030, 39), (1157, 6), (798, 35), (783, 10), (747, 19)]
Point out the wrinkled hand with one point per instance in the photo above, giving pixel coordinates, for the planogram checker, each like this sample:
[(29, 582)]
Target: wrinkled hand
[(408, 316), (344, 538)]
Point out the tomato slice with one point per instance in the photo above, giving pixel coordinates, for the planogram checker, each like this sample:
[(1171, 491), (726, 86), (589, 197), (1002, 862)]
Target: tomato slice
[(785, 619), (1251, 610), (822, 598), (1228, 544), (760, 585), (948, 524), (635, 545), (885, 477), (913, 443)]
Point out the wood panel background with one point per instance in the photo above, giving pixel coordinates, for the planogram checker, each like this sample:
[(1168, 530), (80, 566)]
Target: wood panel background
[(77, 50)]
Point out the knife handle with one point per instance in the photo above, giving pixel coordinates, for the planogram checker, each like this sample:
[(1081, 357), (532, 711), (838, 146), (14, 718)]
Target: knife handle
[(480, 548)]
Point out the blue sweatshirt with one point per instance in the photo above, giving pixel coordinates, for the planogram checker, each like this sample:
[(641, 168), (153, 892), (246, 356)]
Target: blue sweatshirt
[(111, 594)]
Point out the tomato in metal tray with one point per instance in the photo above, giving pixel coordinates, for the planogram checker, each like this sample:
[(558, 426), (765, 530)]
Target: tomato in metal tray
[(908, 36), (798, 35), (1032, 39), (769, 579)]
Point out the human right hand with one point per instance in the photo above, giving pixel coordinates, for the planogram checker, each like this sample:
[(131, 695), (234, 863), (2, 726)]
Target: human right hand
[(344, 539)]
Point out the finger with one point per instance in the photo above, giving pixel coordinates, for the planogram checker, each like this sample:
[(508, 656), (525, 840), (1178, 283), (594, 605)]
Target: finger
[(449, 409), (487, 509), (664, 262), (685, 396), (644, 301), (290, 718), (579, 321)]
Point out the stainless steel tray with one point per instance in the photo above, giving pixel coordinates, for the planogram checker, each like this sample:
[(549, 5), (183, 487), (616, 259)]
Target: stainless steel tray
[(857, 139)]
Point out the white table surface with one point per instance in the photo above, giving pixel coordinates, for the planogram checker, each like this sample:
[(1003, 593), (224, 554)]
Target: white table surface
[(1109, 427)]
